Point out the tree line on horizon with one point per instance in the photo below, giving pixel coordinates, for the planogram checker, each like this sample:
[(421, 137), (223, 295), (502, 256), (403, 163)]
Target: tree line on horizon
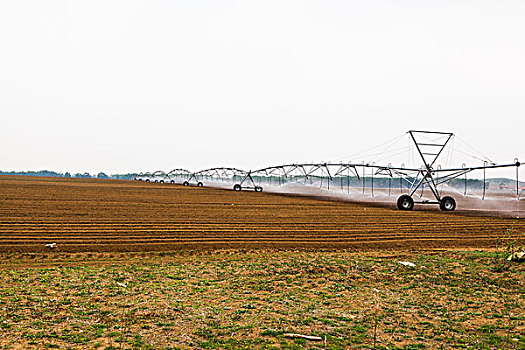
[(50, 173)]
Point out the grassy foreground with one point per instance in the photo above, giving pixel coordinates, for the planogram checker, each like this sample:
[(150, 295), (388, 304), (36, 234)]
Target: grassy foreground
[(250, 299)]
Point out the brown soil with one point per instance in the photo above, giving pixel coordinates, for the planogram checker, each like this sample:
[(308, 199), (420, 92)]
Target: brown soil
[(87, 215)]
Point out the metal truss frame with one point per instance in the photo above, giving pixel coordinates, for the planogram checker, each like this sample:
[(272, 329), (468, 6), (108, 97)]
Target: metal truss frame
[(427, 176)]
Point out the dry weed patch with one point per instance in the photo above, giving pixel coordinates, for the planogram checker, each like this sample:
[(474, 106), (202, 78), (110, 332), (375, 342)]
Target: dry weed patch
[(250, 299)]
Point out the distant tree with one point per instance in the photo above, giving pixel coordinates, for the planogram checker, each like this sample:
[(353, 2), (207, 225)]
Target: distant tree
[(101, 175), (85, 175), (67, 174)]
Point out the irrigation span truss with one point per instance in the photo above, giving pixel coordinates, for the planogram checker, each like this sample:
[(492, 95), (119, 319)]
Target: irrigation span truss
[(428, 145)]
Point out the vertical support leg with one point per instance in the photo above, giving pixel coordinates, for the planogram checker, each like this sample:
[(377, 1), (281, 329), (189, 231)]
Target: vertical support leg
[(401, 181), (389, 185), (372, 182), (465, 191), (484, 179), (437, 181), (348, 180), (517, 183), (364, 180)]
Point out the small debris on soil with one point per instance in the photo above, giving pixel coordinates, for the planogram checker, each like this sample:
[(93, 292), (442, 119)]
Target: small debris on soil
[(51, 245), (121, 285), (517, 257), (407, 263), (307, 337)]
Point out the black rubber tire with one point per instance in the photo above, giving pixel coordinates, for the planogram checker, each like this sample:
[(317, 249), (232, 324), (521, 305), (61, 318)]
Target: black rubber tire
[(405, 202), (200, 184), (237, 187), (185, 183), (147, 180), (161, 181), (172, 181), (258, 189), (447, 204)]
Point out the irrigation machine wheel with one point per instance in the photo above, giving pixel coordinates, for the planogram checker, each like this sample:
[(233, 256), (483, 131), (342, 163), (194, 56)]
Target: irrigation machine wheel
[(200, 184), (258, 189), (161, 181), (447, 204), (185, 183), (172, 181), (237, 187), (405, 202)]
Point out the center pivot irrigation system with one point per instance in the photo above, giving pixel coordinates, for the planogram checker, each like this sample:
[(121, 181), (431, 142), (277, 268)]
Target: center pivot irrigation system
[(429, 145)]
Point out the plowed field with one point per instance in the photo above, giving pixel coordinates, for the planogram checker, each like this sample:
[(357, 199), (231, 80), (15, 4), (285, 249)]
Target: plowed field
[(105, 215)]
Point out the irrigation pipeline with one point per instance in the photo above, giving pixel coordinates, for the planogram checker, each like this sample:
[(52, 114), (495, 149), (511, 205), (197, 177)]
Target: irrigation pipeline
[(325, 175), (427, 145)]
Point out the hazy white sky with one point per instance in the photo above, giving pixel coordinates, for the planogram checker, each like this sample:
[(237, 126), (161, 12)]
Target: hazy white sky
[(120, 86)]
